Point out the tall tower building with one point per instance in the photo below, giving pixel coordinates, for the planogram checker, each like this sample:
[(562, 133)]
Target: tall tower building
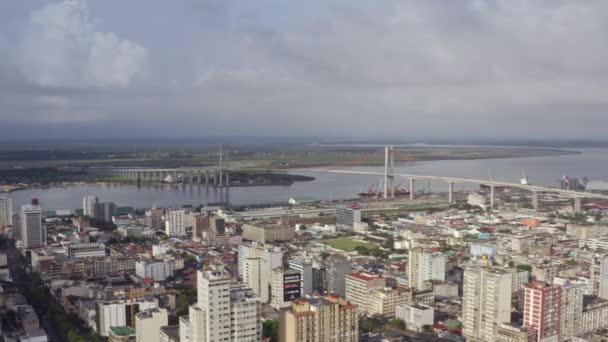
[(486, 302), (175, 225), (304, 266), (571, 311), (33, 231), (319, 319), (257, 276), (542, 310), (224, 312), (88, 205), (338, 266), (6, 212), (424, 266), (599, 275)]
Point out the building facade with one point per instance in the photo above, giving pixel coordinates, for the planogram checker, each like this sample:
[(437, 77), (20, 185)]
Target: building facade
[(175, 224), (33, 231), (319, 319), (425, 266), (148, 324), (6, 212), (486, 302), (359, 285)]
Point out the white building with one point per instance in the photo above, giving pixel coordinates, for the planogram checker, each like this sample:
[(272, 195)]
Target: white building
[(486, 302), (346, 217), (304, 266), (257, 277), (477, 200), (286, 286), (88, 205), (415, 316), (175, 226), (6, 212), (223, 312), (86, 250), (425, 266), (33, 231), (118, 313), (158, 270), (272, 256), (148, 324), (599, 275)]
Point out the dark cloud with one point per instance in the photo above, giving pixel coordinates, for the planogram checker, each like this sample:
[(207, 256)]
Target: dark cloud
[(398, 68)]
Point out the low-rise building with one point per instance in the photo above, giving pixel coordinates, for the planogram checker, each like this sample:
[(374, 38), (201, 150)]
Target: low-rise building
[(86, 250), (415, 316), (268, 233), (155, 269)]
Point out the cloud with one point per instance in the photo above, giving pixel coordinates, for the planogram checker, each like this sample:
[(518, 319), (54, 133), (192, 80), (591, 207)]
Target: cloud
[(61, 46)]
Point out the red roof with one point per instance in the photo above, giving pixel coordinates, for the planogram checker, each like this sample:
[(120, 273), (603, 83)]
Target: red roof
[(148, 281), (364, 276)]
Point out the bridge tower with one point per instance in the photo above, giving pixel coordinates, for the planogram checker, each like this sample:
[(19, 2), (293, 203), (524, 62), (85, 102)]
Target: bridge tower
[(389, 182)]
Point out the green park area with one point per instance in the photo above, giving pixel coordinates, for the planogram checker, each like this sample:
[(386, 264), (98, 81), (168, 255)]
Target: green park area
[(348, 245)]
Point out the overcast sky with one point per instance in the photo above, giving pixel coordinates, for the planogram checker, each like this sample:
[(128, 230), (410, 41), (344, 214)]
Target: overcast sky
[(341, 68)]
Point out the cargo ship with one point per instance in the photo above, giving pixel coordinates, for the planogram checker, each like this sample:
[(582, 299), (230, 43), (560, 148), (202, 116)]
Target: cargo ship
[(374, 192)]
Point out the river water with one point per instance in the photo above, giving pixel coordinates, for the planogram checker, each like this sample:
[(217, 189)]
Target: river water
[(547, 171)]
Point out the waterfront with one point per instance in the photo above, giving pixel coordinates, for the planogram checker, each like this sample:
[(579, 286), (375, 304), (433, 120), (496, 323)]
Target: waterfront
[(547, 171)]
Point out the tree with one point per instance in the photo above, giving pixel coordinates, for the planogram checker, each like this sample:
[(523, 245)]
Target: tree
[(270, 329), (368, 326), (524, 268), (426, 327), (397, 323), (362, 250)]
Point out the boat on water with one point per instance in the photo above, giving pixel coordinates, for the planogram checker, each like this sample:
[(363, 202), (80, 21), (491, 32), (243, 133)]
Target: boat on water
[(374, 192)]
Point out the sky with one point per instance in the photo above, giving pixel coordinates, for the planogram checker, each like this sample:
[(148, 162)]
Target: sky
[(406, 69)]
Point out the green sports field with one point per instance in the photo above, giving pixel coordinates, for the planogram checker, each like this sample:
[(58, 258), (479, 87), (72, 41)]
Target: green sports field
[(348, 245)]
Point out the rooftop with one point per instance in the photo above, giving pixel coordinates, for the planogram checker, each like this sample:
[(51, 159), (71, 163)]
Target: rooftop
[(123, 331), (364, 276)]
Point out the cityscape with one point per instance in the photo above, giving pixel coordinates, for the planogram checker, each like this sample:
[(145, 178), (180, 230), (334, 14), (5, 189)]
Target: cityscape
[(317, 171)]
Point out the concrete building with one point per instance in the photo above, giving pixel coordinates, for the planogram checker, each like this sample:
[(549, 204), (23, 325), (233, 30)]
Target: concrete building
[(105, 211), (571, 310), (347, 217), (415, 316), (86, 250), (304, 266), (477, 249), (175, 225), (599, 275), (154, 218), (425, 266), (6, 212), (359, 285), (117, 313), (542, 310), (338, 266), (384, 301), (155, 269), (285, 286), (486, 302), (169, 333), (33, 231), (223, 312), (508, 332), (257, 277), (266, 234), (272, 256), (148, 324), (88, 205), (319, 319)]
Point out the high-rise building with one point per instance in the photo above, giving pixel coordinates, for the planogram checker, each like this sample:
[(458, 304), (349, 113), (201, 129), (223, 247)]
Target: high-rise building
[(319, 319), (6, 212), (285, 286), (112, 313), (359, 285), (272, 256), (175, 225), (599, 275), (33, 231), (224, 312), (256, 276), (486, 302), (425, 266), (338, 266), (200, 225), (347, 217), (154, 218), (571, 310), (148, 324), (542, 310), (304, 266), (88, 205), (104, 211)]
